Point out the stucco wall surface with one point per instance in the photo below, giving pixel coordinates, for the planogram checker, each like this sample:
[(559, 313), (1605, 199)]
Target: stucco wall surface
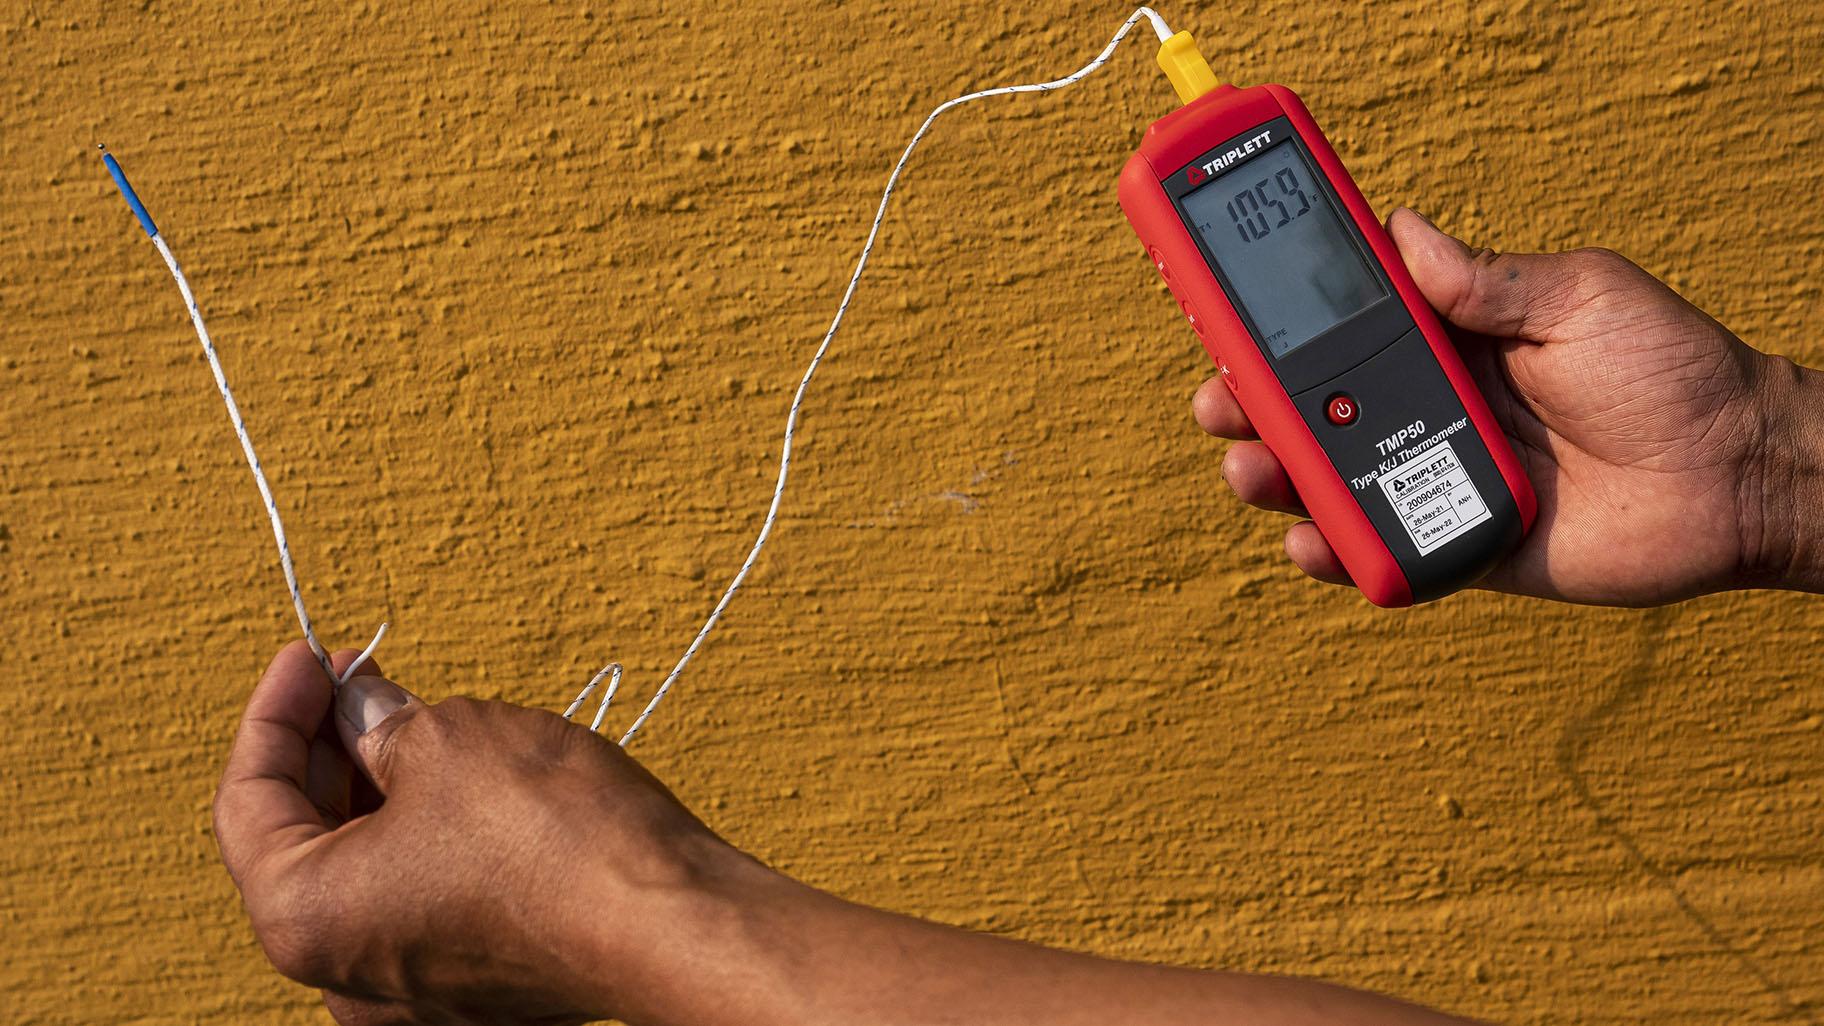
[(515, 296)]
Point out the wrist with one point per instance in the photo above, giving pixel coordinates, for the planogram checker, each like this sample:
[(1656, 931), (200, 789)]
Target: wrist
[(692, 945), (1783, 485)]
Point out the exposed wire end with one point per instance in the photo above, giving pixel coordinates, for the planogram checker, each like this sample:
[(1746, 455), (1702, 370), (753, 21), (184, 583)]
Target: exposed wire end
[(361, 659)]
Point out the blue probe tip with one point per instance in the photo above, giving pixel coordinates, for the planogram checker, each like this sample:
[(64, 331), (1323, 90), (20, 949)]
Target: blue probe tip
[(126, 191)]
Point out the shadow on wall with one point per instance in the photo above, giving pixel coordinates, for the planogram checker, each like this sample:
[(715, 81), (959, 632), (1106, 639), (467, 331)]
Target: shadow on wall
[(1574, 744)]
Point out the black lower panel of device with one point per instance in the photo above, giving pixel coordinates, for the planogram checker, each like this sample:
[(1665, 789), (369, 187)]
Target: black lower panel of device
[(1434, 495)]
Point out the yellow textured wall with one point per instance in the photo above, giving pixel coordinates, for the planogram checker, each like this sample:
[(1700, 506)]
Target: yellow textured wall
[(514, 296)]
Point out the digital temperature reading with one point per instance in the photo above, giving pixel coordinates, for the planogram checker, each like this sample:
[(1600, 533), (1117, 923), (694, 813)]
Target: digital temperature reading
[(1297, 292), (1294, 270)]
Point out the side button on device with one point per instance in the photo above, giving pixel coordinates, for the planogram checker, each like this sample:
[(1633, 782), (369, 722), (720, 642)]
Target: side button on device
[(1159, 262), (1190, 314), (1341, 409), (1165, 272), (1222, 370)]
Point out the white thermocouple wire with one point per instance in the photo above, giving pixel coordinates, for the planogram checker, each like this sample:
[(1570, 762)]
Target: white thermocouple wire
[(612, 670), (259, 478), (791, 420)]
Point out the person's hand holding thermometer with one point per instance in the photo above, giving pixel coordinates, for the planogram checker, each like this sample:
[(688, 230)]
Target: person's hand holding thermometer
[(1300, 297), (1670, 458)]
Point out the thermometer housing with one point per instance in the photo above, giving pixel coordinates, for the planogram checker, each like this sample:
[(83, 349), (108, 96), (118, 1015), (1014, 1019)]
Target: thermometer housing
[(1301, 298)]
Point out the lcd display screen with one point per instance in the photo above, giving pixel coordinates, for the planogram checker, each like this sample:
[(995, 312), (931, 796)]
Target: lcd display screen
[(1292, 267)]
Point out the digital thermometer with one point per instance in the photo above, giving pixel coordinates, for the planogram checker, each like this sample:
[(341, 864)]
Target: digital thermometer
[(1299, 295)]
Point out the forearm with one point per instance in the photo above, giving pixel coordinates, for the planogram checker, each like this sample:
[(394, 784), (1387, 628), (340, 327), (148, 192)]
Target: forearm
[(754, 948), (1783, 495)]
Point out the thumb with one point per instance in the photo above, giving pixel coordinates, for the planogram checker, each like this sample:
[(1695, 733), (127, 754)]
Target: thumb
[(1508, 295), (368, 709)]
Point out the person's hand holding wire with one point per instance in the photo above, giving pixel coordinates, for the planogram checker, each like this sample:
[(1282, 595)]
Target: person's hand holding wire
[(447, 863)]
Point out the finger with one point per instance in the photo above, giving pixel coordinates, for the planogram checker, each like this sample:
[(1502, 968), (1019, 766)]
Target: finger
[(1309, 551), (1509, 295), (1218, 413), (1259, 479), (261, 805), (355, 1011), (328, 776), (371, 706)]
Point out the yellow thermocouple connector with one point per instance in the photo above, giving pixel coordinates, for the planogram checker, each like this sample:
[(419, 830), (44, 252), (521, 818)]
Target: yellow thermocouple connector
[(1185, 68)]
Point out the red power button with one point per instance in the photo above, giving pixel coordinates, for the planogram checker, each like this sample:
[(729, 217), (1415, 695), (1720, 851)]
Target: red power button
[(1341, 410)]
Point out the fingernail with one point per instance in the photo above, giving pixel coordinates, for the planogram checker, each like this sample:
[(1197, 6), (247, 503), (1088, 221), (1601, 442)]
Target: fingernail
[(1421, 216), (365, 701)]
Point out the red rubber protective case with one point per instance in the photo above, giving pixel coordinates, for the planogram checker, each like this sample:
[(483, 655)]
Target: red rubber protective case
[(1171, 144)]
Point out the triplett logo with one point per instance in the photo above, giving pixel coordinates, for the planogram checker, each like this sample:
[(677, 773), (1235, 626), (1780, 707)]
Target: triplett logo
[(1197, 173)]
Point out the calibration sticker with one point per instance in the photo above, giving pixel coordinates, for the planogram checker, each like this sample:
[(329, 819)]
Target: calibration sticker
[(1434, 497)]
